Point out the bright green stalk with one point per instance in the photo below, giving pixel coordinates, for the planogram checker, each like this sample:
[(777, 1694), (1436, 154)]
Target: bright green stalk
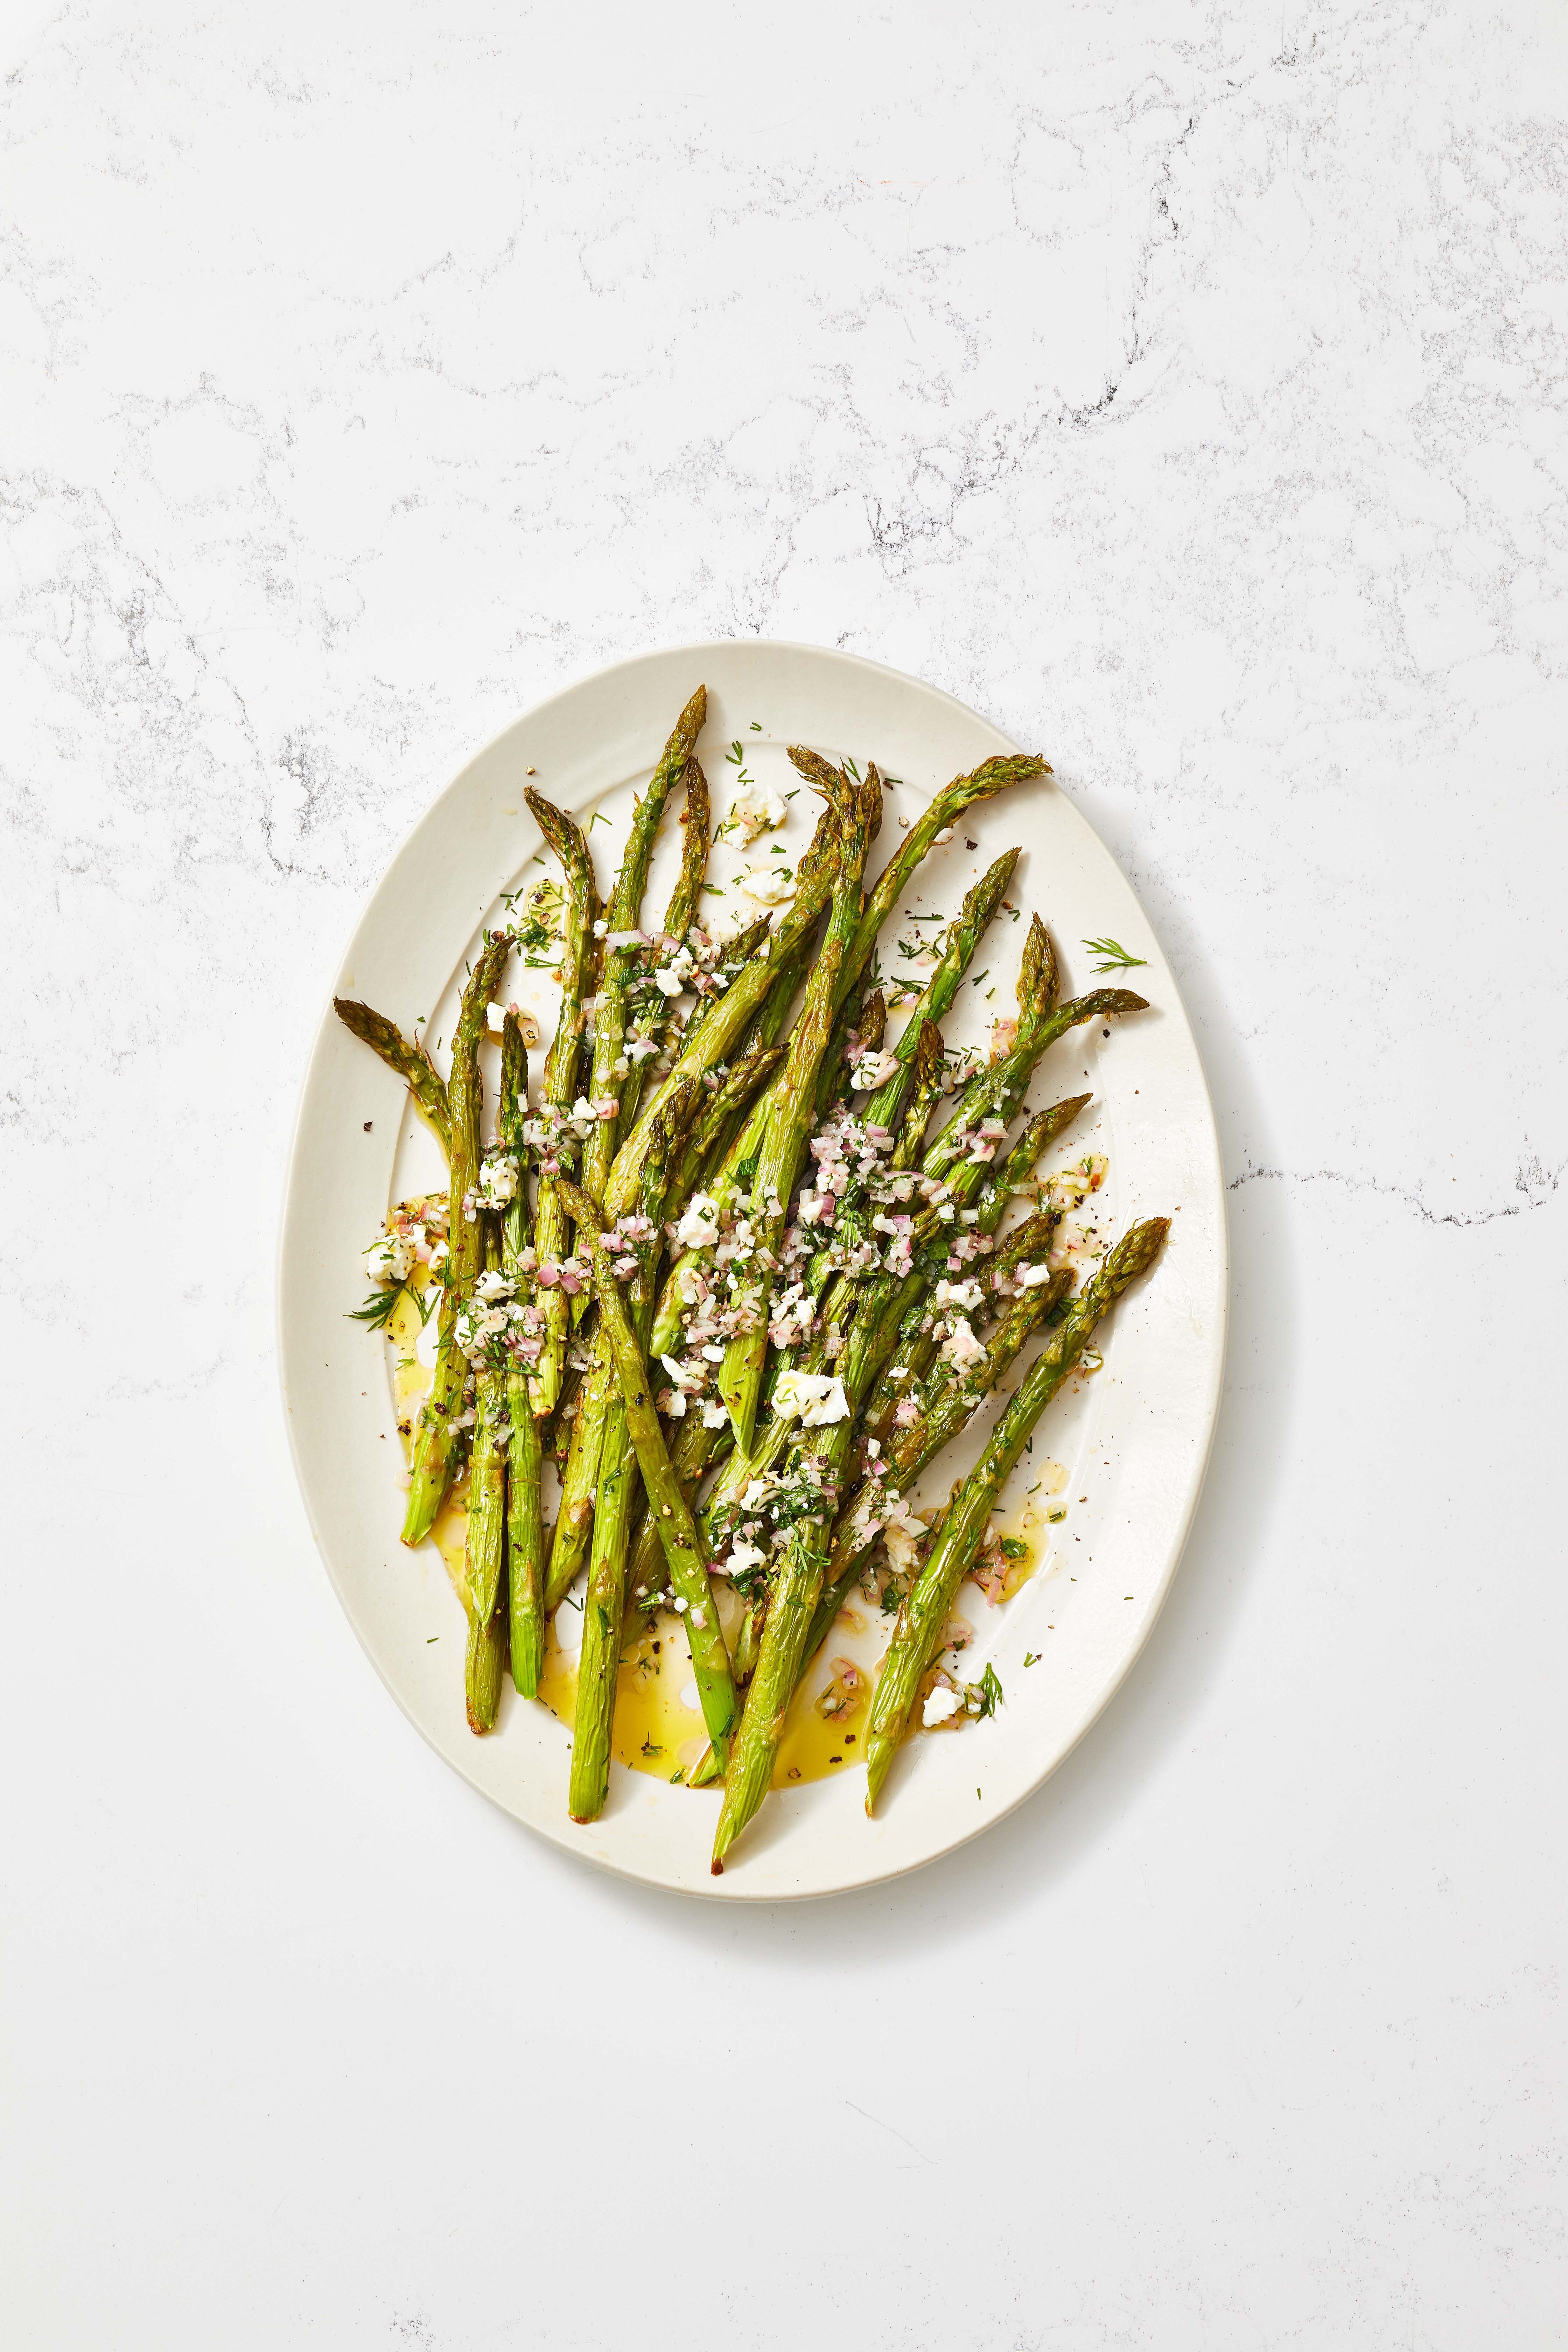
[(991, 776), (482, 1671), (796, 1585), (963, 937), (579, 1482), (427, 1087), (669, 1513), (624, 913), (696, 838), (434, 1463), (484, 1544), (794, 1100), (917, 1630), (524, 1510), (579, 903), (590, 1429), (693, 1454), (604, 1604)]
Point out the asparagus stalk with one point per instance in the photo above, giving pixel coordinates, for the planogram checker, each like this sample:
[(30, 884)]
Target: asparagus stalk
[(561, 1067), (790, 1604), (524, 1509), (697, 833), (485, 1542), (991, 776), (427, 1087), (599, 1660), (433, 1444), (669, 1513), (918, 1630), (973, 920), (623, 914), (603, 1605), (596, 1405), (794, 1100)]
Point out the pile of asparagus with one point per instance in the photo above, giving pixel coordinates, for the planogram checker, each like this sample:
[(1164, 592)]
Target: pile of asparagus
[(738, 1372)]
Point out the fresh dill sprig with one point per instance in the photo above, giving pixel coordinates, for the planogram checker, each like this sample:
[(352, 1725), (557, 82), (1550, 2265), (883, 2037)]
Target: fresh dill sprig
[(376, 1312), (989, 1694), (1116, 956)]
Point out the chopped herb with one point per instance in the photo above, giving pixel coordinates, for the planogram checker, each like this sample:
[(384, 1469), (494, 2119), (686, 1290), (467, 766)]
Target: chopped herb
[(376, 1312), (1013, 1550), (1031, 1657), (756, 726), (989, 1693), (597, 818), (1116, 956)]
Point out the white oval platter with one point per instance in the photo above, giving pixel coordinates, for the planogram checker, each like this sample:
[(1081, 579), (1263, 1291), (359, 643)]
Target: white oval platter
[(1134, 1438)]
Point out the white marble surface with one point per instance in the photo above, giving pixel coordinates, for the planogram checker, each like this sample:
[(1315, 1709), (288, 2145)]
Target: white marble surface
[(1183, 387)]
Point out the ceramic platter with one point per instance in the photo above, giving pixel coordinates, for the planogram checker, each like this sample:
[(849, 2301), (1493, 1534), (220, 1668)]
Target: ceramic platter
[(1132, 1439)]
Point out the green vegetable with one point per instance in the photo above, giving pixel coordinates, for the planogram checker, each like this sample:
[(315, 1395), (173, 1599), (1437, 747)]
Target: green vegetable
[(409, 1060), (580, 904), (434, 1450), (925, 1613)]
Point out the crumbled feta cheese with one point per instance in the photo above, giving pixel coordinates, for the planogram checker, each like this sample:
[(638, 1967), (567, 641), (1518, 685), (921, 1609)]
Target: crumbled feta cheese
[(389, 1260), (872, 1070), (744, 1557), (770, 886), (941, 1706), (714, 1415), (1029, 1277), (667, 980), (497, 1182), (902, 1547), (962, 1348), (814, 1399), (495, 1019), (698, 1228), (965, 1295), (758, 808)]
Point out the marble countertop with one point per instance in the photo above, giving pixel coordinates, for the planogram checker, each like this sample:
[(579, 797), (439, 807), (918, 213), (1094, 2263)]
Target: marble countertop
[(1183, 387)]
